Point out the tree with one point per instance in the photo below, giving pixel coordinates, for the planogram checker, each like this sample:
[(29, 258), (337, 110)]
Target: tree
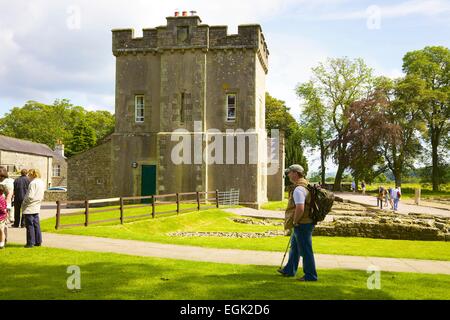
[(82, 139), (46, 124), (366, 129), (315, 123), (102, 122), (431, 67), (39, 122), (278, 117), (401, 146), (340, 82)]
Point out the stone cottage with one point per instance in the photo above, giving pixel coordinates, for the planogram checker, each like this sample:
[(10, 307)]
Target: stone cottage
[(190, 84), (17, 154)]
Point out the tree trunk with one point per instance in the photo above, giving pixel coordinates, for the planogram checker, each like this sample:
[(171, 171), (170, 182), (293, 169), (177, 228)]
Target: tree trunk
[(322, 162), (398, 179), (338, 178), (435, 163)]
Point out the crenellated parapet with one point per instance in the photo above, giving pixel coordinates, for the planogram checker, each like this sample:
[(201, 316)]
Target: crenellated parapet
[(187, 33)]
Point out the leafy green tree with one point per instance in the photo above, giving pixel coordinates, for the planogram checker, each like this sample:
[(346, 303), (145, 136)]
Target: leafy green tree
[(431, 68), (294, 152), (83, 138), (401, 144), (102, 122), (38, 122), (279, 117), (340, 82), (315, 123), (46, 124)]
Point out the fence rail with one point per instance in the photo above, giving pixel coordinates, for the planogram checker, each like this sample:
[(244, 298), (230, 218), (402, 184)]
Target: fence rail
[(155, 201)]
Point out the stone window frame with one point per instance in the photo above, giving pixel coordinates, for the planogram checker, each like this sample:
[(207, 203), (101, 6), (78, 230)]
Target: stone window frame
[(227, 106), (56, 172), (140, 118)]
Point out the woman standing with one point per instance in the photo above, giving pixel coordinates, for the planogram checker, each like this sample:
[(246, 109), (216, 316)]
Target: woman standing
[(31, 208)]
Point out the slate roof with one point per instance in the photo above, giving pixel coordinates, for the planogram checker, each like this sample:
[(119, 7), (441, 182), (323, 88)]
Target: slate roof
[(24, 146)]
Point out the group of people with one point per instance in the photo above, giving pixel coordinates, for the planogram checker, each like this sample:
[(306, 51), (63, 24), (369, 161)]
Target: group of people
[(390, 196), (363, 187), (20, 204)]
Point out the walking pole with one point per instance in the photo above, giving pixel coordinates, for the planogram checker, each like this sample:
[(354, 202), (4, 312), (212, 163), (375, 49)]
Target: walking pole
[(287, 248)]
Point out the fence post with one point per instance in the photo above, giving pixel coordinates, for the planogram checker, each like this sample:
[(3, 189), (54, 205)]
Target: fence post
[(178, 203), (198, 200), (86, 212), (121, 210), (58, 214), (217, 198), (417, 196), (153, 206)]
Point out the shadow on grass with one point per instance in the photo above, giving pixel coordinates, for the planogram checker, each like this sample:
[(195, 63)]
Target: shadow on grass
[(41, 273)]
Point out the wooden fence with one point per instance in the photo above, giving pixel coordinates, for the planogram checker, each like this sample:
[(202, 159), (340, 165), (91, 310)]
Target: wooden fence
[(155, 201)]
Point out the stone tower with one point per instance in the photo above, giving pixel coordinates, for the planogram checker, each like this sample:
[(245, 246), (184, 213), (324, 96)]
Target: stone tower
[(193, 83)]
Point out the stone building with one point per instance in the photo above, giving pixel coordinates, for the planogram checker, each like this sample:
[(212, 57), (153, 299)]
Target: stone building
[(17, 154), (184, 83), (59, 176)]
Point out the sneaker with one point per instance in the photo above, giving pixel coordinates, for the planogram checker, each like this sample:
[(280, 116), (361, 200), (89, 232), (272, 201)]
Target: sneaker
[(280, 271), (302, 279)]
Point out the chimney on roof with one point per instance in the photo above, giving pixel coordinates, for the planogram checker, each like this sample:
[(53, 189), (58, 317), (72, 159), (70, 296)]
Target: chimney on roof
[(184, 13), (193, 13), (59, 147), (177, 13)]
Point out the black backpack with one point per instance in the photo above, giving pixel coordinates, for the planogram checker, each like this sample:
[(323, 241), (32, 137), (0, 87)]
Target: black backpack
[(321, 202)]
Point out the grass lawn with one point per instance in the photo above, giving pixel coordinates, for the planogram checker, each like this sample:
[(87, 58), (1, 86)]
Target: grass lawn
[(41, 273), (155, 230), (275, 205)]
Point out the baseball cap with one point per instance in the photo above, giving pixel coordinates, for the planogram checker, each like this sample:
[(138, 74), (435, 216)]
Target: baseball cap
[(295, 167)]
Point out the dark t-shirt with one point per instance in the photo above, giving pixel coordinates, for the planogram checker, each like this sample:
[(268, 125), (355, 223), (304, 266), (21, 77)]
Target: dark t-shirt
[(20, 188)]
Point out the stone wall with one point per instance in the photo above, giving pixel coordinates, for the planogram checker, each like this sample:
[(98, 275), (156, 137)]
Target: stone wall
[(53, 196), (350, 220), (90, 174), (62, 179)]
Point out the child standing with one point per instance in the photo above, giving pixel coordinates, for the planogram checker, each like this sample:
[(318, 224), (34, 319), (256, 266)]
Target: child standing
[(3, 216)]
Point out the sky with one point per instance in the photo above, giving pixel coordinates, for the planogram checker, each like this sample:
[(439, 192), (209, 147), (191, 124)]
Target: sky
[(54, 49)]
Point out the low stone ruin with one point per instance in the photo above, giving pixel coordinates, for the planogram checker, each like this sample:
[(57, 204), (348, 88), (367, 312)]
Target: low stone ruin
[(353, 220)]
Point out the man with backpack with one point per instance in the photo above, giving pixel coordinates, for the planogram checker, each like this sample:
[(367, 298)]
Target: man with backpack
[(298, 217)]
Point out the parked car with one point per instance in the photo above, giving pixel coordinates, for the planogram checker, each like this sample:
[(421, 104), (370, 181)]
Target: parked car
[(57, 189)]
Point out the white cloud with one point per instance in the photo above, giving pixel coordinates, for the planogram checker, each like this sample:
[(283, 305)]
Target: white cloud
[(291, 60), (43, 57), (413, 7)]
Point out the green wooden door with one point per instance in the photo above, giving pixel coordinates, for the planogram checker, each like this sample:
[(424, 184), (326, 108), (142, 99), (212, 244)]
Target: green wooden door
[(148, 182)]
